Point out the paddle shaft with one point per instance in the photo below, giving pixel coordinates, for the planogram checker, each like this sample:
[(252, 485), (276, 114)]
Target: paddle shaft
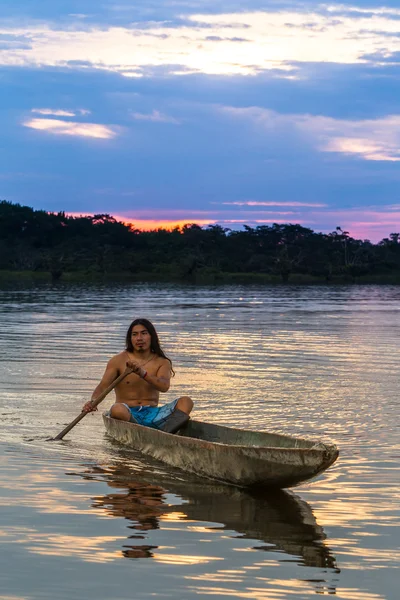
[(94, 403)]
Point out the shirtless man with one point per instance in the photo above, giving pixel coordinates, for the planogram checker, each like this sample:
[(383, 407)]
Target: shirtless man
[(137, 395)]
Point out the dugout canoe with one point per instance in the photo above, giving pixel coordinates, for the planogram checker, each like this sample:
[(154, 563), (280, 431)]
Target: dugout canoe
[(240, 457)]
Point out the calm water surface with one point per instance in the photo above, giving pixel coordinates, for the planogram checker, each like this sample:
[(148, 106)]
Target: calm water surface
[(86, 518)]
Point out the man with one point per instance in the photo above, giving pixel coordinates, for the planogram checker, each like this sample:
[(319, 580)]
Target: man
[(137, 395)]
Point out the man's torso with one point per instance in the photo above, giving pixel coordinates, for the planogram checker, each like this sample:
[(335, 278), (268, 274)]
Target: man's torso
[(133, 390)]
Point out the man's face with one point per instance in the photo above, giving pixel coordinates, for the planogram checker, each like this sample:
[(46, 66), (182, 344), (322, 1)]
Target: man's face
[(141, 339)]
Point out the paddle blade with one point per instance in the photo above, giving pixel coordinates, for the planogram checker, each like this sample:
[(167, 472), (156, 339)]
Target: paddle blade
[(69, 427)]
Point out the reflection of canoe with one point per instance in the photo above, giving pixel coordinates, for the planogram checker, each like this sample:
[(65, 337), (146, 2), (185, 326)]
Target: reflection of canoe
[(278, 519), (236, 456)]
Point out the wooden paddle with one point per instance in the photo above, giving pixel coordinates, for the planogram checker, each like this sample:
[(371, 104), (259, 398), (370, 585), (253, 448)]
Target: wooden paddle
[(94, 403)]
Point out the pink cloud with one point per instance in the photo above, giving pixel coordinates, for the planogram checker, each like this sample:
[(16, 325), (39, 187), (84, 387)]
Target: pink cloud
[(370, 223)]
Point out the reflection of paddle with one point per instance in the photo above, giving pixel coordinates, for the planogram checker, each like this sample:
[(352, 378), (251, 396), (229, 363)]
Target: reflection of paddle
[(94, 403)]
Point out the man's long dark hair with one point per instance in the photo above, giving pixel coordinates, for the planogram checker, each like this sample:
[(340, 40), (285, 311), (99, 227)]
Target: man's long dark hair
[(155, 342)]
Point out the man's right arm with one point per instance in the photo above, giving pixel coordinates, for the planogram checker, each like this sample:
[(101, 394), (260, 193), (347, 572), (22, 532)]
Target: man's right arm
[(110, 374)]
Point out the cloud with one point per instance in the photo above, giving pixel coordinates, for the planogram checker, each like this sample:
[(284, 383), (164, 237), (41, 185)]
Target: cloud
[(59, 112), (58, 127), (213, 43), (256, 222), (381, 10), (365, 222), (274, 203), (56, 113), (368, 139), (365, 148), (13, 42), (156, 117)]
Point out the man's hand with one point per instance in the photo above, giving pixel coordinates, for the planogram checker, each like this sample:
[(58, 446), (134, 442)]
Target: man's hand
[(136, 368), (88, 407)]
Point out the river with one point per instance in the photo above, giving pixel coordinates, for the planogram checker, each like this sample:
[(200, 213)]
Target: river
[(85, 518)]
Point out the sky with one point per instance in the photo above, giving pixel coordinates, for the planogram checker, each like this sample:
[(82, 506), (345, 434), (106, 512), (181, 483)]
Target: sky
[(213, 111)]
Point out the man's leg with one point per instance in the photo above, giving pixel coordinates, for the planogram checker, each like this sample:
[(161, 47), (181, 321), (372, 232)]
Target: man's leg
[(120, 412), (185, 404), (179, 417)]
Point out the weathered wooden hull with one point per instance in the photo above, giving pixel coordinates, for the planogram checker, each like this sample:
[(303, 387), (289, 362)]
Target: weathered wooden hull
[(234, 456)]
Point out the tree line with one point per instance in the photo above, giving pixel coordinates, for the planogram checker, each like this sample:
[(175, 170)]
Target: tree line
[(91, 246)]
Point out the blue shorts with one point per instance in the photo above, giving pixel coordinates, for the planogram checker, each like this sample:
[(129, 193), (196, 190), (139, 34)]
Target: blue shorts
[(151, 416)]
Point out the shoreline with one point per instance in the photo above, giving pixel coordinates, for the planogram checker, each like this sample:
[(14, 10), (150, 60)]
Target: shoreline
[(199, 278)]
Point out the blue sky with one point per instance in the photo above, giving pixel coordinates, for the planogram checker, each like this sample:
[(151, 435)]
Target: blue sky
[(207, 112)]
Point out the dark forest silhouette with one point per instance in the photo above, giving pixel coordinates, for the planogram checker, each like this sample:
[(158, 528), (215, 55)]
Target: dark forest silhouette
[(100, 246)]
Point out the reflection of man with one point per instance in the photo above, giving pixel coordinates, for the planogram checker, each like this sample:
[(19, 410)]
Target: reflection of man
[(142, 504), (137, 395)]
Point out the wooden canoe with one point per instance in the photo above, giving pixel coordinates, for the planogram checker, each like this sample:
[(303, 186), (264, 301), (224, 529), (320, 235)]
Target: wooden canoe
[(235, 456)]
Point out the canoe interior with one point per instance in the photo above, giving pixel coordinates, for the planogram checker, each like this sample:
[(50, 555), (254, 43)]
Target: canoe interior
[(241, 437)]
